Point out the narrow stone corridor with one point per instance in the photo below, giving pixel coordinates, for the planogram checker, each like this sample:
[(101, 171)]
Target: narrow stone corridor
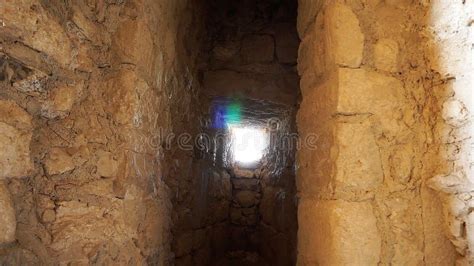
[(224, 132)]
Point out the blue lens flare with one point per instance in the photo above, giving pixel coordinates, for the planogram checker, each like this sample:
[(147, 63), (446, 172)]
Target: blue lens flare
[(226, 113)]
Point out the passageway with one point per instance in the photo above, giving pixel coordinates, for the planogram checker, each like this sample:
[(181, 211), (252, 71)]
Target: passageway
[(236, 132), (249, 95)]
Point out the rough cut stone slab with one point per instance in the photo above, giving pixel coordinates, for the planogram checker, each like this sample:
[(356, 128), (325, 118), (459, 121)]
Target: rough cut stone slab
[(337, 232), (362, 91), (107, 166), (346, 38), (386, 55), (29, 22), (358, 164), (58, 162), (368, 92), (60, 102)]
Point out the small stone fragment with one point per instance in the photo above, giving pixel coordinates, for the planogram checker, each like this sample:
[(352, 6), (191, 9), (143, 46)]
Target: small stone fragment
[(48, 216), (60, 102), (106, 165), (58, 161), (386, 55)]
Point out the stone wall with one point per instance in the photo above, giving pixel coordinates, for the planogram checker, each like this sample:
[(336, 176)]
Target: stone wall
[(372, 95), (87, 90), (452, 58), (91, 91)]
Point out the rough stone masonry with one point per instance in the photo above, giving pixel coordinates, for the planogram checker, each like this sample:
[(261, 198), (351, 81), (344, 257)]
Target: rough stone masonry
[(89, 87)]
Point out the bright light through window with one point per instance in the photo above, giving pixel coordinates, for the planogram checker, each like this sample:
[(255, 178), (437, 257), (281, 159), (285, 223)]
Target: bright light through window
[(248, 144)]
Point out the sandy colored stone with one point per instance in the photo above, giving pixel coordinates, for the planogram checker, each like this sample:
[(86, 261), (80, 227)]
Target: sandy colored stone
[(28, 56), (15, 138), (358, 164), (363, 91), (437, 245), (15, 116), (402, 123), (107, 166), (48, 216), (78, 224), (240, 172), (386, 55), (58, 161), (121, 97), (340, 233), (7, 215), (15, 158), (37, 30), (402, 163), (60, 102), (313, 55), (257, 48), (307, 11), (346, 41), (134, 43), (368, 92)]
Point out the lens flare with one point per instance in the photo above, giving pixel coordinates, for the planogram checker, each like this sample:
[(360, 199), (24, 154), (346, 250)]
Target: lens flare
[(225, 114)]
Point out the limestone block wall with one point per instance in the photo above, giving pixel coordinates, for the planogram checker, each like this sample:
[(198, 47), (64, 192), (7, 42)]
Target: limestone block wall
[(452, 57), (371, 95), (251, 51), (87, 90)]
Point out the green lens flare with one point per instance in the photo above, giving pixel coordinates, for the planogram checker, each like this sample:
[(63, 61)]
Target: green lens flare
[(233, 113)]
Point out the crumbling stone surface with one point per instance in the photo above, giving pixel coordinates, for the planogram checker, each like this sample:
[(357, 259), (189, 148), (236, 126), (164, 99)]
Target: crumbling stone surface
[(107, 165), (87, 90), (358, 167), (386, 55), (58, 162), (338, 225), (60, 101), (384, 88), (345, 49), (451, 24)]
